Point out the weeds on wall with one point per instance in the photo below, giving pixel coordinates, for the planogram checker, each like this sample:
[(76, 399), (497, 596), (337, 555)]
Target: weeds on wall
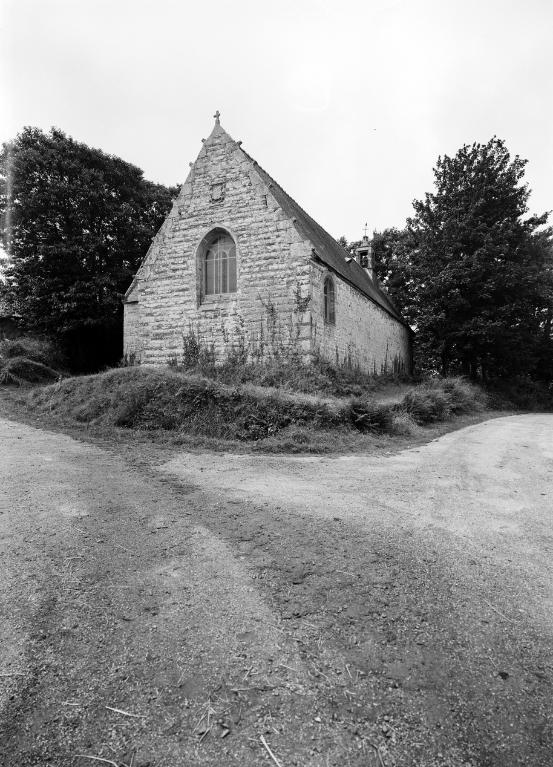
[(273, 357), (320, 378), (277, 339), (195, 354), (272, 341), (128, 360), (349, 360)]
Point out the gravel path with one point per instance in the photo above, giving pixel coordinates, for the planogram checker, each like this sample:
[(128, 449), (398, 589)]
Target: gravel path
[(342, 611)]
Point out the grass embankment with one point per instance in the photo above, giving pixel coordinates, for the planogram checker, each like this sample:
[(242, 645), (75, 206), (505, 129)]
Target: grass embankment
[(188, 404), (273, 405)]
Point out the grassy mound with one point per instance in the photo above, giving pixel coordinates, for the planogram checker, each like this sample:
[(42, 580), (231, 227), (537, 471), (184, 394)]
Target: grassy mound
[(150, 398), (161, 398)]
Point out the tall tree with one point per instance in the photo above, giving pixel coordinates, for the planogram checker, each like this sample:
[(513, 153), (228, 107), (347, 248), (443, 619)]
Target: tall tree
[(76, 223), (392, 250), (482, 267)]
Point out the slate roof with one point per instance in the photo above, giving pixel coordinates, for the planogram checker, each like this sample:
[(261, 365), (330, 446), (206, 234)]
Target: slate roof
[(326, 248)]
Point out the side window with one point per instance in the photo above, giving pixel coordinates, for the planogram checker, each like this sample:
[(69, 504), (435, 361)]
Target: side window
[(329, 301)]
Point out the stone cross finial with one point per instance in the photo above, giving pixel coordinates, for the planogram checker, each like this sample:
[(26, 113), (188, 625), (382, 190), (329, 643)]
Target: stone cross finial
[(216, 116)]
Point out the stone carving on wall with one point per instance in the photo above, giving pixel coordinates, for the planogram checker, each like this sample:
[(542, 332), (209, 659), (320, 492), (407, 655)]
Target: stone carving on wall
[(218, 191)]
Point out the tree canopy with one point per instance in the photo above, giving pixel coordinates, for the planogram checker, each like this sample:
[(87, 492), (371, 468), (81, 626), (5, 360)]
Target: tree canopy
[(392, 249), (76, 223), (482, 268), (472, 272)]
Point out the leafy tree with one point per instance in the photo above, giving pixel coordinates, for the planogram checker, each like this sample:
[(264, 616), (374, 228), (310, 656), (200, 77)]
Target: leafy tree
[(76, 223), (391, 255), (392, 252), (483, 268)]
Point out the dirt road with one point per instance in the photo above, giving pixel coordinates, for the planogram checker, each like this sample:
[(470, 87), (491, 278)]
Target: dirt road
[(362, 610)]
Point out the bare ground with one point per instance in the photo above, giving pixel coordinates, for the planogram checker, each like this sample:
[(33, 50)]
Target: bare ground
[(363, 610)]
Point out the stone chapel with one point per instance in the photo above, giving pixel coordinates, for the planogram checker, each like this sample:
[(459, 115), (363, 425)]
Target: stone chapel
[(239, 264)]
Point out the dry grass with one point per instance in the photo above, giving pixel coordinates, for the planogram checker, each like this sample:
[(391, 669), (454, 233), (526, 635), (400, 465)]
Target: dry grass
[(276, 405), (28, 360), (439, 399), (161, 399), (404, 425), (33, 348), (17, 371), (153, 398), (288, 373)]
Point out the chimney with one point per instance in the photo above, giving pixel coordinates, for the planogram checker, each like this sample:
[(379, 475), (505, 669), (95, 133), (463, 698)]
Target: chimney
[(364, 256)]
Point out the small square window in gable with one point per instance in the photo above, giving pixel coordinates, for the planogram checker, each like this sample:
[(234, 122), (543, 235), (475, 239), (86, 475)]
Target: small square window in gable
[(218, 191)]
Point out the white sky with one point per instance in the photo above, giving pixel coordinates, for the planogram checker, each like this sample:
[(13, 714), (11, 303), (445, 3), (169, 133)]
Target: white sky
[(347, 103)]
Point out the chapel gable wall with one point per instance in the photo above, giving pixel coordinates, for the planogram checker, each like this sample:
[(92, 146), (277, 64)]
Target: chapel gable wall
[(273, 266)]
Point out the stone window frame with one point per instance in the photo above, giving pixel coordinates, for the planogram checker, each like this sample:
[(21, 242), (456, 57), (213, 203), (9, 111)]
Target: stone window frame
[(209, 236), (329, 300)]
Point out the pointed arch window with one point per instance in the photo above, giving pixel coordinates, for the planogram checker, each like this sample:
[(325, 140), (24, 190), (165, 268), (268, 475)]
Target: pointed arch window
[(219, 265), (329, 301)]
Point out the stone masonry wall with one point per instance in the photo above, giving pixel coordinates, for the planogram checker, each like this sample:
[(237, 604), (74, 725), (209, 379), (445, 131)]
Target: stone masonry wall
[(272, 266), (275, 268), (364, 335), (131, 331)]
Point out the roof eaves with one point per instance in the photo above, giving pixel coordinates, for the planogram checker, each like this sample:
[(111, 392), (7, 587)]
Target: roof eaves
[(352, 284)]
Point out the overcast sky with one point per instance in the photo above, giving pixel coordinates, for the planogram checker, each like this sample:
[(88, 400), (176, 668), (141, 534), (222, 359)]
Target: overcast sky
[(346, 103)]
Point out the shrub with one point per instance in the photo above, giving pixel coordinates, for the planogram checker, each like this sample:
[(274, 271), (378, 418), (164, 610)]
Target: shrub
[(403, 424), (19, 370), (521, 392), (438, 399), (367, 415), (427, 404), (464, 396), (32, 348), (7, 378), (196, 356)]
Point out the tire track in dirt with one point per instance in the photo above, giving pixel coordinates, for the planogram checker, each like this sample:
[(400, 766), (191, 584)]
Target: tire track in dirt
[(420, 586), (137, 607), (330, 606)]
